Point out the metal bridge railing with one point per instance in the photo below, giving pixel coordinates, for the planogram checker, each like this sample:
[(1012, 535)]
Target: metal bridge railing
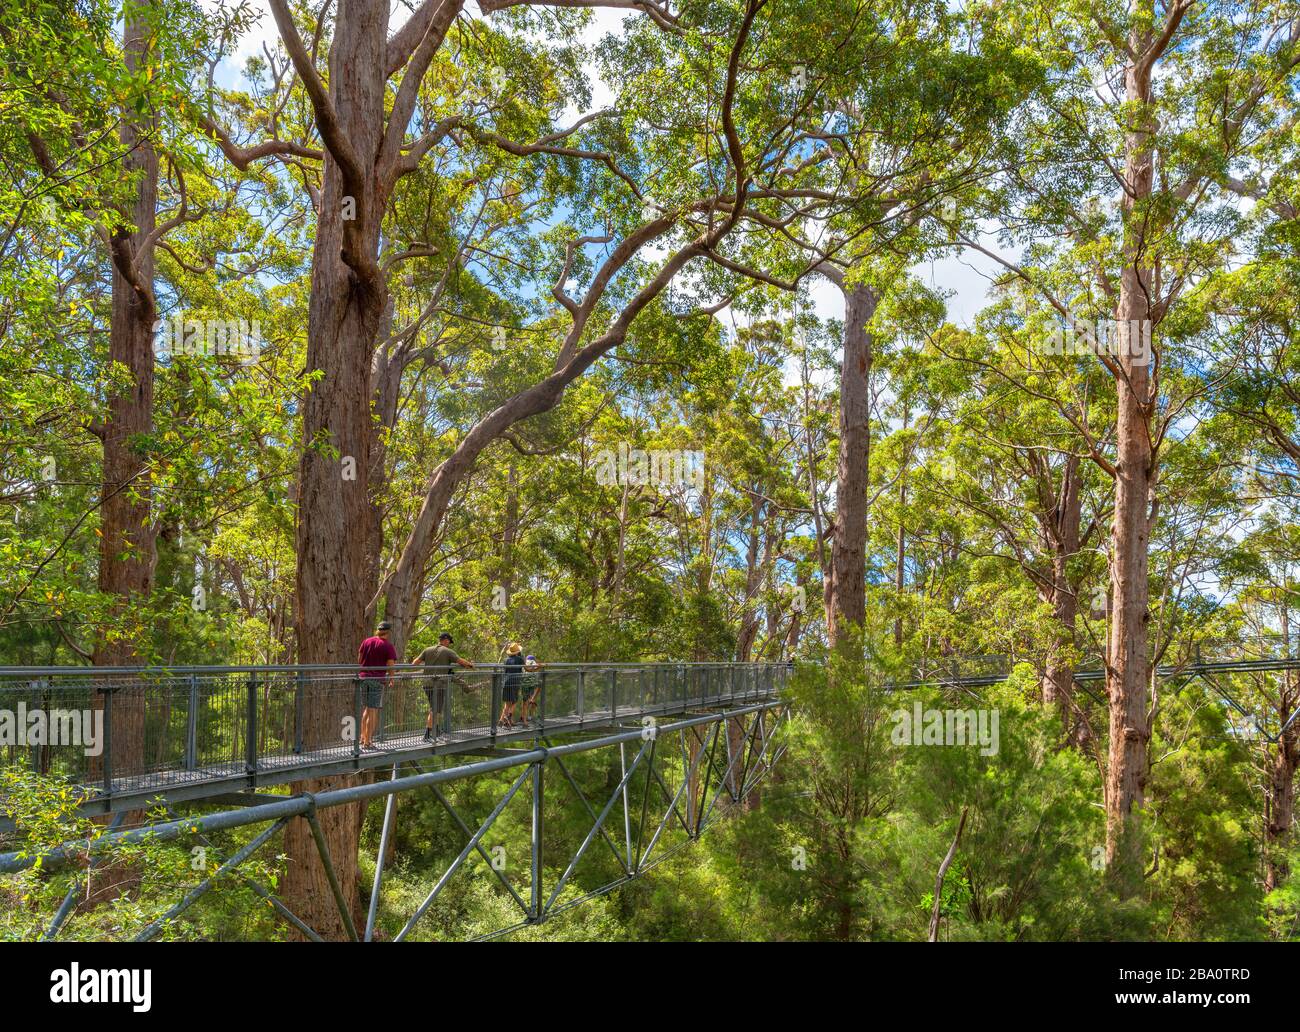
[(1260, 650), (129, 730)]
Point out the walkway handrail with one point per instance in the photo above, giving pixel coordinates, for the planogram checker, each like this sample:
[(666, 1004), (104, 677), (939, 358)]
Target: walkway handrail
[(133, 735), (165, 671)]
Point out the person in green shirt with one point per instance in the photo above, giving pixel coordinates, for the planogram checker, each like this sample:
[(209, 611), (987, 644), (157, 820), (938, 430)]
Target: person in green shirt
[(532, 687), (439, 662)]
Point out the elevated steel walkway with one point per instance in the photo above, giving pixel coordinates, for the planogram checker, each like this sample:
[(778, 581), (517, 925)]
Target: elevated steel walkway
[(1207, 660), (702, 737), (137, 736)]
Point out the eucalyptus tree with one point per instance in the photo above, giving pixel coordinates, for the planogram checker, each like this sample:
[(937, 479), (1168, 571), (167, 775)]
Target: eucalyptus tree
[(1013, 458), (1150, 105), (1257, 395), (59, 143), (666, 182), (373, 136), (899, 110), (129, 233)]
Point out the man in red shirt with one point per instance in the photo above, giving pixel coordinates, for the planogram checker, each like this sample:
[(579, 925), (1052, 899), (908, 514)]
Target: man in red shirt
[(376, 658)]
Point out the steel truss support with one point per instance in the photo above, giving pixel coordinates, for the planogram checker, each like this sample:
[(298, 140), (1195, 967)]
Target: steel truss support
[(69, 901), (1227, 697), (703, 775)]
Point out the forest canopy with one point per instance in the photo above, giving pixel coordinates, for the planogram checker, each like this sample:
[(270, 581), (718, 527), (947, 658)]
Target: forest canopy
[(625, 330)]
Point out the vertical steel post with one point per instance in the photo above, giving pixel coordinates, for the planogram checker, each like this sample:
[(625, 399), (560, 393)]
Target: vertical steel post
[(494, 703), (613, 693), (108, 740), (356, 716), (192, 726), (299, 703), (446, 701), (539, 786), (250, 747), (42, 704), (389, 807), (582, 690), (541, 701)]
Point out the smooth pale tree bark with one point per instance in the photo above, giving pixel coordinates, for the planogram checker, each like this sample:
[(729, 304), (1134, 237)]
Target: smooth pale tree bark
[(937, 909), (757, 571), (793, 635), (754, 577)]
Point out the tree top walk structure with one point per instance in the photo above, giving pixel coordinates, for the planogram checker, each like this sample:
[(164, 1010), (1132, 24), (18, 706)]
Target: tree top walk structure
[(188, 733), (1213, 662), (688, 735)]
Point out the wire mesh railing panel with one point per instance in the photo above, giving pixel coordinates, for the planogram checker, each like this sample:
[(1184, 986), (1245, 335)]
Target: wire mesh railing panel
[(137, 730), (54, 728), (558, 696), (408, 701), (473, 701), (629, 690)]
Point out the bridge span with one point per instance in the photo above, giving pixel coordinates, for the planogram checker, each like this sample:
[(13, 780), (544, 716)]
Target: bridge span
[(698, 737)]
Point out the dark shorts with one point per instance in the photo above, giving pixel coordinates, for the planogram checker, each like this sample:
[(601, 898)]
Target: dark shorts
[(510, 692), (372, 692), (437, 696)]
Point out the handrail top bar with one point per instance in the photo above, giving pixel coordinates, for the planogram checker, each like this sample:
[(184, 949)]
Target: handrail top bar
[(103, 671)]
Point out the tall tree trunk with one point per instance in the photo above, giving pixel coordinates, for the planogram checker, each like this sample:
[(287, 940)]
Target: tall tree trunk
[(753, 580), (335, 575), (1280, 796), (128, 541), (1127, 663), (1060, 538), (1281, 803), (1058, 675), (847, 604), (127, 549)]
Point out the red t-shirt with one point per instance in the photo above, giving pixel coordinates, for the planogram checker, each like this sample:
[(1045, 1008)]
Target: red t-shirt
[(376, 652)]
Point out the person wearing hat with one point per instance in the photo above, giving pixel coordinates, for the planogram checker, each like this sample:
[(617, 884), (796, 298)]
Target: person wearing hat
[(439, 661), (510, 687), (376, 657)]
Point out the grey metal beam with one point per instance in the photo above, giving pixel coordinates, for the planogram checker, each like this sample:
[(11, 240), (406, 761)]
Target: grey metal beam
[(475, 839), (301, 805), (390, 806)]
